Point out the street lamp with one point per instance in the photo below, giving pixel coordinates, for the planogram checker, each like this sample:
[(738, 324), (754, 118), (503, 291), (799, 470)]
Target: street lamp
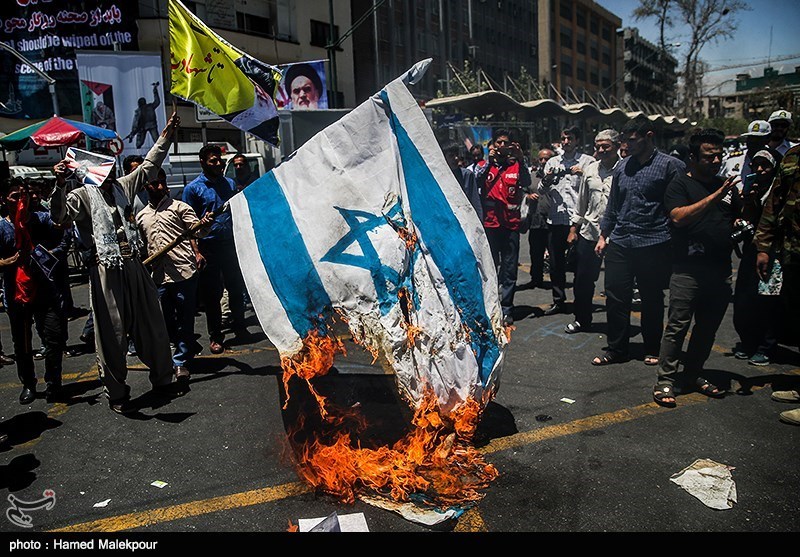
[(51, 83)]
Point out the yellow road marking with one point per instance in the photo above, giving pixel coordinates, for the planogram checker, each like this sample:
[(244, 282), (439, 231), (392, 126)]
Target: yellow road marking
[(185, 510), (586, 424), (471, 521)]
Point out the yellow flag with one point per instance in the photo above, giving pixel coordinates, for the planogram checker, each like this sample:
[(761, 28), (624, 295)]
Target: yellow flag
[(209, 71)]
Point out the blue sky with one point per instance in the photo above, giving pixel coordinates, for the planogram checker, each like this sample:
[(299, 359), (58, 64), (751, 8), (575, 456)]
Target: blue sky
[(751, 43)]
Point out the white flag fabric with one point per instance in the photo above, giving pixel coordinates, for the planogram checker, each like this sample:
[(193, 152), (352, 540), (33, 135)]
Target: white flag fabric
[(366, 222)]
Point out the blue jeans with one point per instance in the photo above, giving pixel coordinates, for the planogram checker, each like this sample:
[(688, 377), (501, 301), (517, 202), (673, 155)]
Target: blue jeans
[(178, 302)]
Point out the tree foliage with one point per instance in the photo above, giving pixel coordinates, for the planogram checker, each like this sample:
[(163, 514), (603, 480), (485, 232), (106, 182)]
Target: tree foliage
[(705, 21)]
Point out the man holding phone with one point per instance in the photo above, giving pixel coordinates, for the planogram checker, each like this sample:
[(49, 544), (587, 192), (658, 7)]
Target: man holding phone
[(503, 182), (702, 209)]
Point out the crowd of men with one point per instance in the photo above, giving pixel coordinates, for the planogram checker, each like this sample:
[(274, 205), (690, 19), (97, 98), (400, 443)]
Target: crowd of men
[(657, 221), (149, 259)]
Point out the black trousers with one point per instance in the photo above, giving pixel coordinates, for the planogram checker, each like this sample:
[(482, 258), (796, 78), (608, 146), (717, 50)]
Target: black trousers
[(650, 267), (586, 274), (537, 241), (701, 293), (221, 272), (504, 244), (756, 318), (50, 324), (557, 246)]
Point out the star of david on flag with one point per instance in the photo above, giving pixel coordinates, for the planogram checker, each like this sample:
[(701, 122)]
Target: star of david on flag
[(366, 223)]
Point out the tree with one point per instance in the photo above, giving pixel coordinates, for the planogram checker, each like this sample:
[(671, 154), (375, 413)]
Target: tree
[(462, 82), (660, 10), (707, 21)]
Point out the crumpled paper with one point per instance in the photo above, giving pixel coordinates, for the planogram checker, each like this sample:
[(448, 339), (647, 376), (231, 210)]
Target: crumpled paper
[(710, 482)]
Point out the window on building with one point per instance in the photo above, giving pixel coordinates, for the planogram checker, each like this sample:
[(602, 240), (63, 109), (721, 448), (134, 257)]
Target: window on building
[(606, 56), (581, 45), (566, 37), (254, 24), (566, 66), (197, 8), (581, 17), (581, 74), (606, 33), (594, 53), (593, 26), (566, 9), (594, 78), (321, 33)]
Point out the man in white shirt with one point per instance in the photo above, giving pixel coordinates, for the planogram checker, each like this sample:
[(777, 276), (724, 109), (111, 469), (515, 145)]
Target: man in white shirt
[(585, 229), (562, 181)]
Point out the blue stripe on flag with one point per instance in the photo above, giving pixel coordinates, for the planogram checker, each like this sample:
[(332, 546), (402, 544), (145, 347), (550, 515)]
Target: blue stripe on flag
[(448, 245), (285, 257)]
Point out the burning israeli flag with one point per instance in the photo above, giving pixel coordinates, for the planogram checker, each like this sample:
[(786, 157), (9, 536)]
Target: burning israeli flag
[(367, 224)]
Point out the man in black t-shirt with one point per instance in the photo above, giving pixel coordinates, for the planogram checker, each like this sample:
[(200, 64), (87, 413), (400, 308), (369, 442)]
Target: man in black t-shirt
[(702, 209)]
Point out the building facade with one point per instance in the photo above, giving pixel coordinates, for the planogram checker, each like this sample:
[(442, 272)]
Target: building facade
[(497, 38), (579, 50), (650, 74), (754, 97)]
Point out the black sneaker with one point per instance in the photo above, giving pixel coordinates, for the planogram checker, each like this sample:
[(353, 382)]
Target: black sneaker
[(6, 360), (39, 354), (508, 321)]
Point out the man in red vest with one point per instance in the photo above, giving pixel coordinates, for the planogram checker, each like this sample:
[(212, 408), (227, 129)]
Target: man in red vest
[(504, 181)]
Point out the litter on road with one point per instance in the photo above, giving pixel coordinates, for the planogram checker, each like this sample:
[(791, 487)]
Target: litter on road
[(709, 481)]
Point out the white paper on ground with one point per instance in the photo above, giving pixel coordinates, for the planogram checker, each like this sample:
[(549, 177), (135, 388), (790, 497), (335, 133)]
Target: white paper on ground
[(568, 400), (355, 522), (102, 503), (412, 512), (709, 481), (159, 484)]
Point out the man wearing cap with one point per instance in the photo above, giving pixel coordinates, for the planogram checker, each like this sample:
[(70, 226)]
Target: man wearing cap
[(778, 237), (755, 315), (756, 138), (781, 121), (304, 87)]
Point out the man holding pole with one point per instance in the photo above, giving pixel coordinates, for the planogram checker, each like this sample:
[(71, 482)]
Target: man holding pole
[(123, 296), (169, 227)]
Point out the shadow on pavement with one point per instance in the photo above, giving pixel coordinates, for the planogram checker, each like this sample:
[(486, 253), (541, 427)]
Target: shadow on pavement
[(497, 421), (19, 473), (26, 427), (214, 368)]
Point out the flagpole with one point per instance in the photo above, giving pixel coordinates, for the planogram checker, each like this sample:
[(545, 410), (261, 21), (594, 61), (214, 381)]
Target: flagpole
[(332, 58), (334, 44)]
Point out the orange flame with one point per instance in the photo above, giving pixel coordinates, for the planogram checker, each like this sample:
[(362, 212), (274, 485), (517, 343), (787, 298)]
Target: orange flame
[(315, 359), (435, 460)]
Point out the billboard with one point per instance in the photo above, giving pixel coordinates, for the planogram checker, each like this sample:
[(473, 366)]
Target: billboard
[(303, 86), (123, 92), (47, 33)]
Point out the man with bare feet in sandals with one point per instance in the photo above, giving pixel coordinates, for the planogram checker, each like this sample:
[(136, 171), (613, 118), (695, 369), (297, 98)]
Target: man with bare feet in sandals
[(702, 209), (635, 241)]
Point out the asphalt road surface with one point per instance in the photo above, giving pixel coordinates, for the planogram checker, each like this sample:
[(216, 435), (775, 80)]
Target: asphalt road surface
[(600, 464)]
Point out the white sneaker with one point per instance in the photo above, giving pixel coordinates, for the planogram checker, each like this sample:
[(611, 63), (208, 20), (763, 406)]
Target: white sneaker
[(791, 416), (786, 396)]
